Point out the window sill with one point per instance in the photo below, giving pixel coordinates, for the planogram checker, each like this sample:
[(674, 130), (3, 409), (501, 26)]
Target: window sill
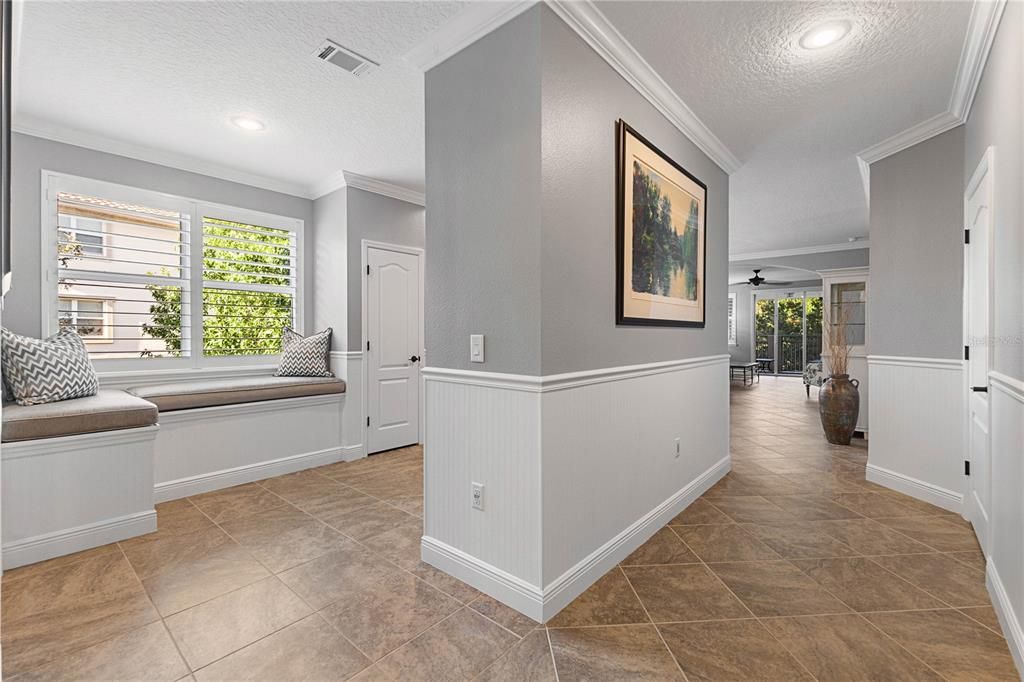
[(142, 377)]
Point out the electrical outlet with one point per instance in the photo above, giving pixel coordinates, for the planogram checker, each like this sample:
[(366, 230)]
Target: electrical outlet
[(478, 496), (677, 448)]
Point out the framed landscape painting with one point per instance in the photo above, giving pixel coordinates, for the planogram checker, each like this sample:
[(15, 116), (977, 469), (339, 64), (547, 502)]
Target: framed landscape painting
[(660, 237)]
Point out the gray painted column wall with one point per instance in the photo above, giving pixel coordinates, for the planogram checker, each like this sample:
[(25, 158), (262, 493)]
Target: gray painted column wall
[(916, 306)]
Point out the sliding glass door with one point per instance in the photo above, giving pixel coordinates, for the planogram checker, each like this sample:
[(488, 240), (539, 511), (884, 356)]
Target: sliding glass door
[(787, 330)]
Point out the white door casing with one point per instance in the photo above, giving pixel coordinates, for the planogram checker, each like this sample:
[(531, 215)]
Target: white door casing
[(393, 332), (978, 200)]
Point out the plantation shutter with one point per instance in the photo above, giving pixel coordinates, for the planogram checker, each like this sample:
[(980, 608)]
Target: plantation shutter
[(249, 286), (731, 311), (123, 276)]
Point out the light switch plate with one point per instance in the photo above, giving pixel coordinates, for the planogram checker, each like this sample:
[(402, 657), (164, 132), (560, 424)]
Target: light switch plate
[(476, 347)]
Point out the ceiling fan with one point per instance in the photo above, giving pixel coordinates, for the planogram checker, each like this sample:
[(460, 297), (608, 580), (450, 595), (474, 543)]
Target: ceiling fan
[(757, 280)]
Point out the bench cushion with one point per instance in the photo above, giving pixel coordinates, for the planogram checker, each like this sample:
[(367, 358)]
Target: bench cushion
[(210, 392), (108, 410)]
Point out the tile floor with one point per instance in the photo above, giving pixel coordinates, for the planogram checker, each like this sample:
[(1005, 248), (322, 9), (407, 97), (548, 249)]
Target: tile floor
[(792, 567)]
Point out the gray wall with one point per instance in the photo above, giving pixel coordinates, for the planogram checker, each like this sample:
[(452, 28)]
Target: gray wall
[(743, 351), (483, 162), (330, 267), (521, 207), (31, 155), (917, 251), (583, 97), (996, 120), (381, 219)]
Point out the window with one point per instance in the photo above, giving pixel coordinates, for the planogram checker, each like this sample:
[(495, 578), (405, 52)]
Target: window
[(133, 270), (732, 319), (89, 317)]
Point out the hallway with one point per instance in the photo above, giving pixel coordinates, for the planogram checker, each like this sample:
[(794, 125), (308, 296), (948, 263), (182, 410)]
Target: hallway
[(792, 566)]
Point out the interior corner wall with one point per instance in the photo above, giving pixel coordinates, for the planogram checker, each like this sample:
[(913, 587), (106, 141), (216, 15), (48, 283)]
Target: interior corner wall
[(583, 97), (743, 351), (996, 119), (330, 267), (378, 218), (483, 162), (915, 321), (31, 155), (917, 251)]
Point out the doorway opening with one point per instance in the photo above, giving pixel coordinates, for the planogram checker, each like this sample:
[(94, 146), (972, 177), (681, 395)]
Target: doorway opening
[(787, 330)]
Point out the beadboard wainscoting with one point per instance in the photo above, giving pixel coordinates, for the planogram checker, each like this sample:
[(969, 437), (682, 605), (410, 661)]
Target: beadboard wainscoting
[(348, 365), (918, 428), (578, 470), (1006, 558)]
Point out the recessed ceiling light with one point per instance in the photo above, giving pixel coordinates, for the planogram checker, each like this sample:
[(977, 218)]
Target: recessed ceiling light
[(824, 35), (246, 123)]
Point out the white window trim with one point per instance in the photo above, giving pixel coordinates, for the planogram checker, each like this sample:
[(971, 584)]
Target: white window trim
[(734, 338), (196, 208)]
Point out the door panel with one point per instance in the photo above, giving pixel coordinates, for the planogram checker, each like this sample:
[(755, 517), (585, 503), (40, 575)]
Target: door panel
[(978, 202), (393, 332)]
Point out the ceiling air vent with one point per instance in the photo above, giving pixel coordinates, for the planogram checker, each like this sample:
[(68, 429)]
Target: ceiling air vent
[(354, 63)]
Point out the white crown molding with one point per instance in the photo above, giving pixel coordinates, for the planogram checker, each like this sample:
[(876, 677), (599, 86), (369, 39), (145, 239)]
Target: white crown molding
[(583, 17), (586, 19), (865, 177), (368, 184), (981, 32), (465, 28), (799, 251), (49, 131), (325, 186)]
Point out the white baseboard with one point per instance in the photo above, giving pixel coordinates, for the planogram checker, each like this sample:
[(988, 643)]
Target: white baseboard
[(42, 547), (921, 490), (542, 605), (193, 485), (1007, 618), (353, 452)]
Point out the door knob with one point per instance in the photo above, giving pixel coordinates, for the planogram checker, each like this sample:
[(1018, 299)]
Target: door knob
[(414, 358)]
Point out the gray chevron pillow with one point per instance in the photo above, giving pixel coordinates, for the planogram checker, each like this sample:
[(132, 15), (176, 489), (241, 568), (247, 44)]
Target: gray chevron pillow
[(305, 356), (41, 371)]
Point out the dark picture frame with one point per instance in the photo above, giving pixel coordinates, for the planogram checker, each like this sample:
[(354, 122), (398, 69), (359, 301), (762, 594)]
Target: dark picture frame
[(660, 260)]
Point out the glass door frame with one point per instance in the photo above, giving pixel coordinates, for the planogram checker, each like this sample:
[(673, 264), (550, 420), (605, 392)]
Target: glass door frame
[(775, 295)]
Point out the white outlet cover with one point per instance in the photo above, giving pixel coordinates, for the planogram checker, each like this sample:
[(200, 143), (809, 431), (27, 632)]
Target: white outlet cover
[(478, 496)]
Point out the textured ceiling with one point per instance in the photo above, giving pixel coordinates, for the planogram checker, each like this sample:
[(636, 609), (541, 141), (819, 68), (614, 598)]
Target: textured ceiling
[(169, 75), (796, 119)]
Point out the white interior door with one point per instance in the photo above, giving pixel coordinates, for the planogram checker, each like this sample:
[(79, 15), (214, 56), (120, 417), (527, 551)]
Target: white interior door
[(978, 206), (393, 333)]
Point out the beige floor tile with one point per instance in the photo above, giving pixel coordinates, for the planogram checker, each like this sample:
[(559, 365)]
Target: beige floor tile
[(730, 650), (777, 588), (50, 614), (232, 503), (869, 537), (220, 626), (629, 652), (973, 558), (954, 645), (937, 532), (401, 544), (874, 505), (799, 540), (342, 574), (365, 522), (751, 509), (458, 648), (725, 543), (609, 601), (410, 504), (699, 512), (449, 585), (185, 570), (307, 650), (812, 507), (528, 661), (30, 570), (846, 647), (505, 616), (986, 615), (951, 581), (284, 537), (683, 593), (863, 585), (178, 517), (389, 613), (145, 653), (664, 547)]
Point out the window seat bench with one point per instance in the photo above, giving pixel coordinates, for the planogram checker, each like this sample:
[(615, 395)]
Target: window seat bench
[(86, 472)]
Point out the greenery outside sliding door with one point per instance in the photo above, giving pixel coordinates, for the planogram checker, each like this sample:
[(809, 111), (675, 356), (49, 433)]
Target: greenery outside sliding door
[(787, 329)]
